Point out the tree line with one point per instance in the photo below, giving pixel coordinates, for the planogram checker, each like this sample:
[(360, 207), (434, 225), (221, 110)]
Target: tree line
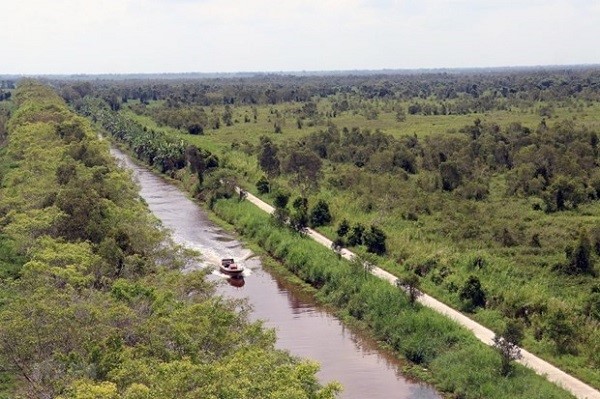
[(549, 84)]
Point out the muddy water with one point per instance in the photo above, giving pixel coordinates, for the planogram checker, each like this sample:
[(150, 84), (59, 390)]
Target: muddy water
[(302, 327)]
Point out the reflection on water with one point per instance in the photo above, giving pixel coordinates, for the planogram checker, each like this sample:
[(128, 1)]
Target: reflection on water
[(302, 327), (237, 282)]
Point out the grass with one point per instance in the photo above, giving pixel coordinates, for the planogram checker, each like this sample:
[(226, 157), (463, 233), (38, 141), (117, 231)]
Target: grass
[(421, 125)]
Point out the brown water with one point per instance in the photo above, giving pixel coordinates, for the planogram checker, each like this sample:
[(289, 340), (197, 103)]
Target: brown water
[(303, 328)]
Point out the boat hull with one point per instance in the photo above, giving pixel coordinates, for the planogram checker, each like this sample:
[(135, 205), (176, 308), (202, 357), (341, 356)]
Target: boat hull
[(231, 272)]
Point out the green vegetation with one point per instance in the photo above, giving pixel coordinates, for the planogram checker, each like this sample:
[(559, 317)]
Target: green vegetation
[(485, 186), (415, 332), (92, 302)]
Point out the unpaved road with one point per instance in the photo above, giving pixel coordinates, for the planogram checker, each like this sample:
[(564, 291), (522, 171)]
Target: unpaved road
[(485, 335)]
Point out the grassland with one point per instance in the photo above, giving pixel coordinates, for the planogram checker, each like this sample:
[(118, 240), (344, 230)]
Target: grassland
[(584, 113)]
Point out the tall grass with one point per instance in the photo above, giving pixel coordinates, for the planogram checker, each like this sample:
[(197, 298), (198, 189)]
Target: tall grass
[(442, 352)]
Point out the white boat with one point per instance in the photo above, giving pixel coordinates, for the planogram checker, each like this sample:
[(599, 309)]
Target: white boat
[(228, 266)]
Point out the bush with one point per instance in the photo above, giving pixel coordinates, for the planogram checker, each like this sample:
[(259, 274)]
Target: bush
[(343, 228), (356, 235), (472, 294), (263, 185), (319, 215), (375, 241)]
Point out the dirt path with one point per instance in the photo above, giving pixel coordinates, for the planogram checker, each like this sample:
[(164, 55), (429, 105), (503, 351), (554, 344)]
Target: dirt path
[(485, 335)]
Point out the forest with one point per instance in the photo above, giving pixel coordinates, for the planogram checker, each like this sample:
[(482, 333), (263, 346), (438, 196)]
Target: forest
[(478, 187)]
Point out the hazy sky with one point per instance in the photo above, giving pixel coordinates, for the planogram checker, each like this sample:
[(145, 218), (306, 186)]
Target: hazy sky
[(117, 36)]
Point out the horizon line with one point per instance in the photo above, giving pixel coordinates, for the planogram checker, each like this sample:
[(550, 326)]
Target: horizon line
[(314, 72)]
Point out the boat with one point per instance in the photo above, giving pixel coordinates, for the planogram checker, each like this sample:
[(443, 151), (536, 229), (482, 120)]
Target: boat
[(228, 266)]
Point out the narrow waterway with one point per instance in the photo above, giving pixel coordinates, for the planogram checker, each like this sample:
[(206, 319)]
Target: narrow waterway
[(302, 327)]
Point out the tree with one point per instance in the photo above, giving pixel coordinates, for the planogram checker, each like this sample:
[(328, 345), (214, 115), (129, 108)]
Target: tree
[(89, 390), (400, 114), (267, 157), (281, 199), (581, 259), (196, 161), (472, 294), (304, 166), (362, 264), (195, 129), (343, 228), (337, 245), (227, 116), (507, 345), (356, 235), (262, 185), (299, 219), (564, 193), (450, 175), (591, 307), (309, 110), (280, 202), (375, 241), (411, 285), (242, 195), (277, 126), (319, 215), (561, 330)]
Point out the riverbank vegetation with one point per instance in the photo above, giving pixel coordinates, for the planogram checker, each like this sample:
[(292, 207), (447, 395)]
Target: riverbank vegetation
[(92, 300), (483, 185), (438, 350)]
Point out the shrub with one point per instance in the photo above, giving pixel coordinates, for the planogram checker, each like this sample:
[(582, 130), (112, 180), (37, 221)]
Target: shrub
[(375, 241), (263, 185), (343, 228), (319, 214), (472, 294), (356, 235)]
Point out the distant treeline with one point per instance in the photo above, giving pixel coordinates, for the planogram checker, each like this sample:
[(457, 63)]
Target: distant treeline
[(542, 84)]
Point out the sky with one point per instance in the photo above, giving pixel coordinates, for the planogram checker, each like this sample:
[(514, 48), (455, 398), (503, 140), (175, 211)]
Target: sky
[(169, 36)]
